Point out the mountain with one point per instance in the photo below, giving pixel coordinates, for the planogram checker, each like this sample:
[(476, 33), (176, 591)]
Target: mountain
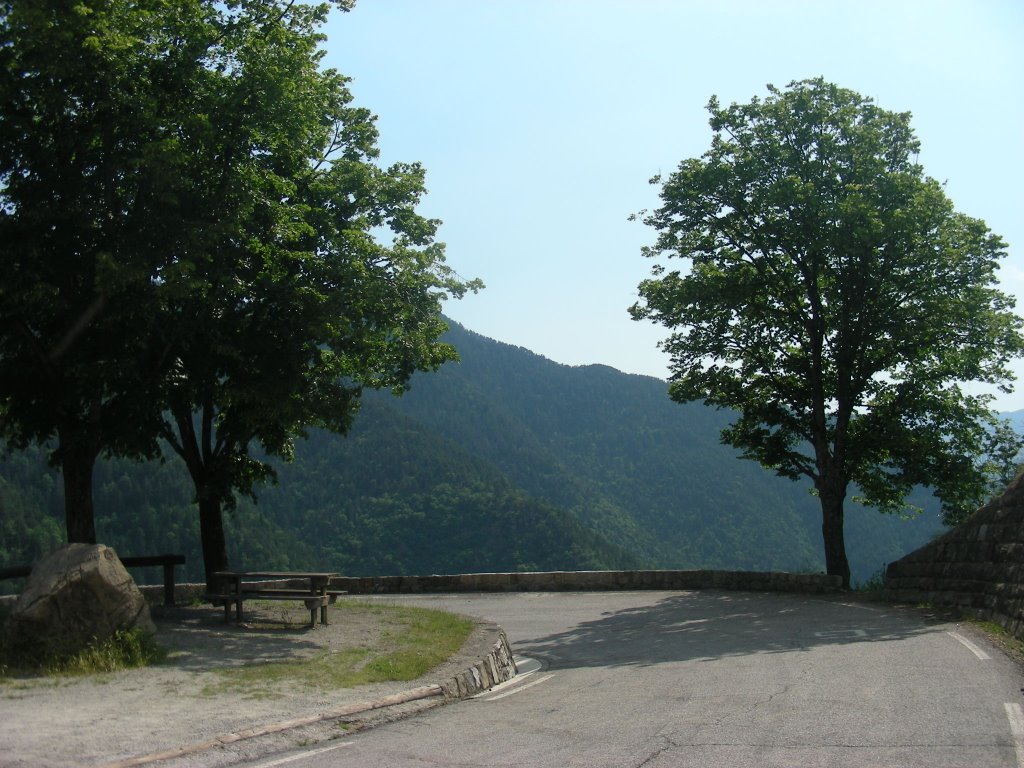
[(503, 461), (1016, 419), (649, 474)]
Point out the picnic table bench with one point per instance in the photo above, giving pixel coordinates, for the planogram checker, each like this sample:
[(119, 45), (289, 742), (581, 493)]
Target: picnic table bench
[(238, 586)]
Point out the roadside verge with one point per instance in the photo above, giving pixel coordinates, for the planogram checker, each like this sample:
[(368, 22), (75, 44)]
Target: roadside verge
[(495, 666), (169, 714)]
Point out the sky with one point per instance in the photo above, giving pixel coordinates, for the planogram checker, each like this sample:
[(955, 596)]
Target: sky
[(541, 122)]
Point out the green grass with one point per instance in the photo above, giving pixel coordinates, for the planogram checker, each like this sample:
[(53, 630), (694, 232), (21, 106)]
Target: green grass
[(416, 640), (125, 649), (1000, 636)]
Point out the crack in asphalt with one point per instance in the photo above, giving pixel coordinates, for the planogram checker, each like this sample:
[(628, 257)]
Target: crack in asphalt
[(654, 755)]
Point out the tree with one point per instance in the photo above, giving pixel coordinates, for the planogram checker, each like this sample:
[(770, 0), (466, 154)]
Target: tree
[(89, 95), (836, 301), (197, 249), (297, 302)]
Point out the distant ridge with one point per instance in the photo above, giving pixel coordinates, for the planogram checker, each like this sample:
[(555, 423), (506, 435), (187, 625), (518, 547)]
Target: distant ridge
[(648, 473)]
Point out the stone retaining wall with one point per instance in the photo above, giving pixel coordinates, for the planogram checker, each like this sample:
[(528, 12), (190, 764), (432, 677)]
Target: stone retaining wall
[(978, 567), (497, 666)]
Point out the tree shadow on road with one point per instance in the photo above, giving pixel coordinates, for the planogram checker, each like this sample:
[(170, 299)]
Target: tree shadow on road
[(708, 625)]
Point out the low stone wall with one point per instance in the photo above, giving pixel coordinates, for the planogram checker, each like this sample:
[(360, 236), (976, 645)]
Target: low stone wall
[(497, 666), (557, 581), (978, 567), (585, 581), (183, 593)]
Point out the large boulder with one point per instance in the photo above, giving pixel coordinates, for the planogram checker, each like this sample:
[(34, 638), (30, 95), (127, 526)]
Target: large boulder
[(75, 596)]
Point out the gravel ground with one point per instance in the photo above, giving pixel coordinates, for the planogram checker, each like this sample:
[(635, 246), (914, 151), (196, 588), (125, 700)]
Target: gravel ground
[(101, 719)]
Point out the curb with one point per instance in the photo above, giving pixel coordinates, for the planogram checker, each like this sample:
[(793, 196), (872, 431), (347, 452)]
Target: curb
[(497, 666)]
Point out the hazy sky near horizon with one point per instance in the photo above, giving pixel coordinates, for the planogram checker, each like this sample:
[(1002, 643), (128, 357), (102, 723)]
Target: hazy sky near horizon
[(540, 123)]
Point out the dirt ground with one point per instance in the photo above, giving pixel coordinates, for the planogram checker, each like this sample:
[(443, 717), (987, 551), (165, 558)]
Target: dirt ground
[(100, 719)]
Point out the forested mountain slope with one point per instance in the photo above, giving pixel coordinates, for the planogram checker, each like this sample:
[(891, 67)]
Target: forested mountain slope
[(649, 473), (505, 461)]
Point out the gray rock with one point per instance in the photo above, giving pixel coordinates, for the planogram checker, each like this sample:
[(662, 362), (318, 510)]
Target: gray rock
[(77, 595)]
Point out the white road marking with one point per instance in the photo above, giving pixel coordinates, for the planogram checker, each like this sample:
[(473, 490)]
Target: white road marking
[(519, 689), (301, 755), (526, 667), (1016, 717), (969, 645)]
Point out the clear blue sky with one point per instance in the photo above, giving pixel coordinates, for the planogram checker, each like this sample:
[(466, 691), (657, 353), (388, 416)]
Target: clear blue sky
[(540, 122)]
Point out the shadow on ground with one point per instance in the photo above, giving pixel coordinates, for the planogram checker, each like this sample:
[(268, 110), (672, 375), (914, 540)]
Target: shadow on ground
[(705, 626), (198, 639)]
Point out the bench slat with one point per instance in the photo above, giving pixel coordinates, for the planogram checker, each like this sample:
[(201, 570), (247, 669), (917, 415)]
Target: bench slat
[(250, 596), (308, 598)]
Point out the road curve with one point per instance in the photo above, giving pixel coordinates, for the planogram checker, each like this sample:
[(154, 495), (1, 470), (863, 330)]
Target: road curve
[(659, 679)]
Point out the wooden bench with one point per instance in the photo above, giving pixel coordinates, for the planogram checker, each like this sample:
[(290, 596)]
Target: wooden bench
[(238, 586), (142, 561), (228, 599)]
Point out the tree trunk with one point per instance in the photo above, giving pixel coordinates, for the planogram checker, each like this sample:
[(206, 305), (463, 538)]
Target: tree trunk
[(211, 531), (836, 563), (77, 460), (200, 459)]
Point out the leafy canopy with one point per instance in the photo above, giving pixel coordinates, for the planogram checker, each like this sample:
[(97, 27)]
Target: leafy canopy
[(315, 275), (89, 176), (834, 298), (192, 217)]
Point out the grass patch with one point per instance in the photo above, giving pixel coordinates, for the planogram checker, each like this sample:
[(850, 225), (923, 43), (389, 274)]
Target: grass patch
[(125, 649), (1000, 636), (414, 641)]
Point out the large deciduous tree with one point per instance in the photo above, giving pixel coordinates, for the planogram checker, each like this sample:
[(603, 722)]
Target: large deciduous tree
[(200, 246), (89, 174), (836, 301), (297, 300)]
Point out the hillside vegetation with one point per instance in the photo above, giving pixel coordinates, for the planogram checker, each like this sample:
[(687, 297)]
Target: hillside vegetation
[(504, 461)]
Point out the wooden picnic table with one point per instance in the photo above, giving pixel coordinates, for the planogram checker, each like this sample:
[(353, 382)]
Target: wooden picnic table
[(238, 586)]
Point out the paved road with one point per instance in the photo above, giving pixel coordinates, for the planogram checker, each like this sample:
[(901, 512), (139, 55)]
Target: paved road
[(659, 679)]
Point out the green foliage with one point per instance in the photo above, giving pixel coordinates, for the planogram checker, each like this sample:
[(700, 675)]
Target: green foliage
[(874, 583), (294, 303), (125, 649), (201, 245), (835, 301), (89, 177)]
